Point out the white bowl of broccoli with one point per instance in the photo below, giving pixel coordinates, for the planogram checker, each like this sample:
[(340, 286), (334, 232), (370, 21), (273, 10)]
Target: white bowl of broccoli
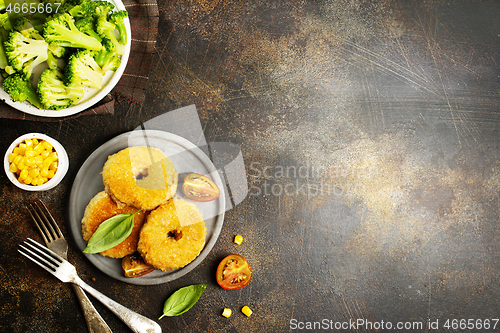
[(61, 64)]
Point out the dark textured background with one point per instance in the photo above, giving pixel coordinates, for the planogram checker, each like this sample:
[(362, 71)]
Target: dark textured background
[(391, 111)]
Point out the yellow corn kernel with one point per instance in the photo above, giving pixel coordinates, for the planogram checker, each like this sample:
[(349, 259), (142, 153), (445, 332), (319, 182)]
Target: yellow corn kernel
[(51, 174), (29, 161), (21, 149), (29, 143), (238, 239), (45, 154), (46, 163), (21, 165), (13, 167), (227, 312), (24, 173), (53, 166), (47, 145), (30, 153), (34, 173), (17, 159), (39, 149), (35, 141), (11, 157), (38, 160), (21, 160), (44, 172), (246, 311), (27, 180)]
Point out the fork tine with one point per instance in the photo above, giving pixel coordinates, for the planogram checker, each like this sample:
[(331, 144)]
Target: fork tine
[(46, 258), (44, 221)]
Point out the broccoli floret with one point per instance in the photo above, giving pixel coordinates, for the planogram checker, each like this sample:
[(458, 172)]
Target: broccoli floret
[(25, 53), (106, 29), (117, 18), (82, 69), (86, 26), (20, 89), (76, 8), (107, 51), (82, 10), (57, 50), (100, 8), (61, 30), (112, 64), (54, 95), (107, 58), (24, 26)]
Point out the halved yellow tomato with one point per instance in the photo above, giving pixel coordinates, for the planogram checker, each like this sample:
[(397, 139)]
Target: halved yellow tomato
[(200, 188), (233, 272), (134, 266)]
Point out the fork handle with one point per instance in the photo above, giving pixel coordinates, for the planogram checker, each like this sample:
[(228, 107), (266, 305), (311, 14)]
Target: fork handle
[(137, 322), (95, 323)]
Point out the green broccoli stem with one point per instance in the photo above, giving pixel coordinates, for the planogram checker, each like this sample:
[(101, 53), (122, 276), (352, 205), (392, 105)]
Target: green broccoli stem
[(119, 48), (32, 96), (76, 39), (51, 60), (3, 57)]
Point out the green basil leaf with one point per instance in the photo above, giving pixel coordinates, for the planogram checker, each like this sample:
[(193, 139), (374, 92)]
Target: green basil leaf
[(182, 300), (110, 233)]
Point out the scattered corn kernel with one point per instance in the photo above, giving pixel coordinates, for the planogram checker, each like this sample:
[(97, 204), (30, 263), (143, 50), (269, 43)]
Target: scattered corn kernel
[(238, 239), (33, 161), (227, 312), (246, 311)]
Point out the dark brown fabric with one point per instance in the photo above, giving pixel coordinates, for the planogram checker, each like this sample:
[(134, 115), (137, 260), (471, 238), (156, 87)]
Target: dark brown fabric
[(144, 18)]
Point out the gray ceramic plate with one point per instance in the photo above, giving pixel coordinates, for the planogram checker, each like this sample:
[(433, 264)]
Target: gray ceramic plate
[(186, 157)]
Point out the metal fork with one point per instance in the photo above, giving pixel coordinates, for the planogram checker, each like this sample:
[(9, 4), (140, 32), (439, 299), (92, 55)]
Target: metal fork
[(55, 241), (66, 272)]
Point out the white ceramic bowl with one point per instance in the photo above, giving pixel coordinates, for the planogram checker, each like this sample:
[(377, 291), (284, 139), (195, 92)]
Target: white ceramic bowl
[(62, 168)]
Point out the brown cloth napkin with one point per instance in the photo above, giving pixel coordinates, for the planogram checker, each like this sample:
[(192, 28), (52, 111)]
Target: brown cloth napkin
[(144, 17)]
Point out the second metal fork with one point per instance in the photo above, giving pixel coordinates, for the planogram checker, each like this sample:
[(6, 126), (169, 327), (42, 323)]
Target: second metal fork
[(54, 239), (66, 272)]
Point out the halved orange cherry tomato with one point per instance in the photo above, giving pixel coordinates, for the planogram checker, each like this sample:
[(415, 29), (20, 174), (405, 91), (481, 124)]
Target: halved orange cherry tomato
[(134, 266), (233, 272), (200, 188)]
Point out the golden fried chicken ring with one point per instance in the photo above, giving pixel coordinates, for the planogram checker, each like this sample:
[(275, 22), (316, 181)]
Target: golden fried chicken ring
[(101, 208), (141, 177), (173, 235)]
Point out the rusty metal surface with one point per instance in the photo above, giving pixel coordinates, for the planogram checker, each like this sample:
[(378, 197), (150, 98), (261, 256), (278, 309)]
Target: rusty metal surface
[(369, 132)]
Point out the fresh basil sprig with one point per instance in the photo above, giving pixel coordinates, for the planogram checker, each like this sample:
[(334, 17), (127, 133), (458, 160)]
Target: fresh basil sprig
[(183, 300), (110, 233)]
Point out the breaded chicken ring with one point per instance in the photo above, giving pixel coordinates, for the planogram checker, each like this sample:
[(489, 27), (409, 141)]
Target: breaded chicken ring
[(101, 208), (141, 177), (173, 235)]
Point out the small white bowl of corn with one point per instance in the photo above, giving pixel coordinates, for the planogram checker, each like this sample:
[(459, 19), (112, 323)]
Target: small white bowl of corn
[(36, 162)]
